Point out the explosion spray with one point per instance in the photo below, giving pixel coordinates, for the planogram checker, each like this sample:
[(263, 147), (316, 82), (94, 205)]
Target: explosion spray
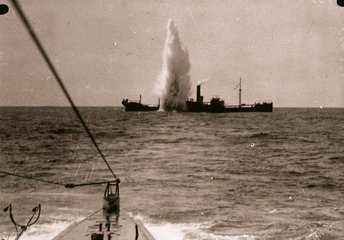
[(174, 80)]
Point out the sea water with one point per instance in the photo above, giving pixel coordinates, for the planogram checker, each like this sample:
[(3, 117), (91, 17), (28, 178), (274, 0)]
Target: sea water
[(186, 176)]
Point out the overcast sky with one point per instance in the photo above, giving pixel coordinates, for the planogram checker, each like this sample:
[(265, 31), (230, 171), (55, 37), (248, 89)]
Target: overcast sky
[(290, 51)]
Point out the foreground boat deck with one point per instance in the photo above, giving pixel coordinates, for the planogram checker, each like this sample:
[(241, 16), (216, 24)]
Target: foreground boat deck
[(122, 226)]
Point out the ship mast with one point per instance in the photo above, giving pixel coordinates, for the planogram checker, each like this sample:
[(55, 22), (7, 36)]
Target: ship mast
[(240, 93)]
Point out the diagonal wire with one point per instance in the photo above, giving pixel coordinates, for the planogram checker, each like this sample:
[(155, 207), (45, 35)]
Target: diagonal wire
[(58, 79), (31, 178)]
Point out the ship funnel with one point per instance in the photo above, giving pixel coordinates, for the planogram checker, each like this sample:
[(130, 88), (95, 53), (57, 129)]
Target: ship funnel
[(199, 97)]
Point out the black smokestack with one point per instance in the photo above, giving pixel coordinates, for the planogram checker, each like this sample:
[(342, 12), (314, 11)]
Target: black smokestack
[(199, 94)]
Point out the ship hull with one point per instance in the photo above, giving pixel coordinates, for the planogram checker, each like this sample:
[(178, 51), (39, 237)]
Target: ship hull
[(137, 106), (192, 106)]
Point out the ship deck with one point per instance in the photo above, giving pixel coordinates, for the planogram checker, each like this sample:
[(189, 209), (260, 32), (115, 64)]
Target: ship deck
[(122, 227)]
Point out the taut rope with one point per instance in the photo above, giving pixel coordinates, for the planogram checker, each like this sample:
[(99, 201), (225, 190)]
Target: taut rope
[(58, 79)]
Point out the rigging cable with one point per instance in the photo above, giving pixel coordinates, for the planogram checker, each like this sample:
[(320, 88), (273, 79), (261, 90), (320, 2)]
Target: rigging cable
[(58, 79), (67, 185), (31, 178)]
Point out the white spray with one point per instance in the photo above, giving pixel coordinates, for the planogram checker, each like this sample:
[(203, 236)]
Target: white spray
[(174, 80)]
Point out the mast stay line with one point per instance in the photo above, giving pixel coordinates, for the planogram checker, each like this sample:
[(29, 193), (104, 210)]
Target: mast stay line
[(58, 79)]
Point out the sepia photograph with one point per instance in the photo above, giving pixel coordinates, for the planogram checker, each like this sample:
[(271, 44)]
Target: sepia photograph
[(171, 119)]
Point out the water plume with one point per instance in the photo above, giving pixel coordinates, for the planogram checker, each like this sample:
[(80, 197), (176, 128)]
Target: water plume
[(174, 80)]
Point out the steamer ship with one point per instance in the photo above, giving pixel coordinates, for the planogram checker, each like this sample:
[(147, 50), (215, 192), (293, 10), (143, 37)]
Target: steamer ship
[(131, 105), (217, 105)]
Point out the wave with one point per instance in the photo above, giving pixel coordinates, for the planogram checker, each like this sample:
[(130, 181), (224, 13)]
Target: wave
[(43, 231), (65, 130), (261, 135), (181, 231), (170, 231), (337, 159)]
